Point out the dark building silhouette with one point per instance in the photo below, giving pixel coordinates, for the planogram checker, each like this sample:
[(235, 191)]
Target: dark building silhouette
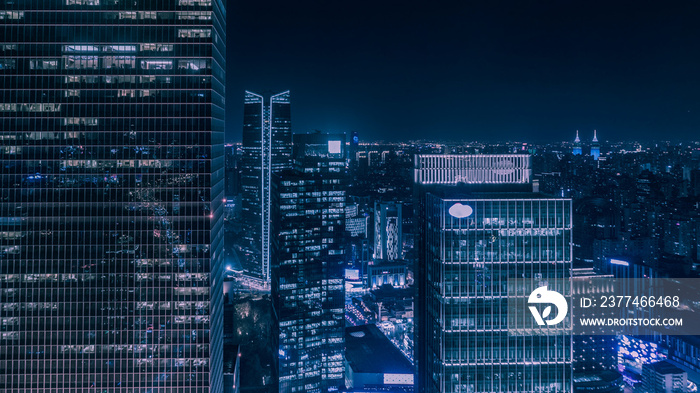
[(309, 255), (232, 160), (267, 149), (373, 362), (112, 131)]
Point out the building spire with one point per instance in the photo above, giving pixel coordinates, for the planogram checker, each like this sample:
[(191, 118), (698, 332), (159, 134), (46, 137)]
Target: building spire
[(577, 140), (595, 136)]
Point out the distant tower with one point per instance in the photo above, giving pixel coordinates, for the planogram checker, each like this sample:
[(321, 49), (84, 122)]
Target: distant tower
[(577, 145), (595, 146)]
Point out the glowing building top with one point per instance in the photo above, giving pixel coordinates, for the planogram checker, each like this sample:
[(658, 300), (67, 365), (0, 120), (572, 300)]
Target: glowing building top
[(472, 169), (595, 146), (577, 145)]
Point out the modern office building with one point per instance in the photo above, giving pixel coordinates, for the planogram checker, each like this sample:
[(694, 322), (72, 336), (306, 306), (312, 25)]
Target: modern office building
[(663, 377), (595, 357), (111, 126), (482, 232), (309, 256), (267, 149), (596, 353), (388, 231)]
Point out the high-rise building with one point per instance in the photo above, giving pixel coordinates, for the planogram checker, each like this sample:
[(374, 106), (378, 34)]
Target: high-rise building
[(112, 130), (232, 159), (481, 228), (577, 145), (387, 231), (267, 149), (663, 377), (595, 146), (594, 356), (308, 287)]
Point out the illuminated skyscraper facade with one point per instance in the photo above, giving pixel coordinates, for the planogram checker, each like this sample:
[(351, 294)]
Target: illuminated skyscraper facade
[(267, 149), (595, 146), (577, 146), (476, 237), (111, 126), (388, 233), (308, 287)]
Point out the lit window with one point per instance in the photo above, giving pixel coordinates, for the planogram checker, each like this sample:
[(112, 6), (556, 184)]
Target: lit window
[(43, 64), (194, 64), (80, 62), (80, 121), (82, 2), (156, 48), (80, 48), (194, 15), (194, 33), (156, 64), (126, 93), (201, 3), (7, 64), (123, 62), (11, 15), (119, 48)]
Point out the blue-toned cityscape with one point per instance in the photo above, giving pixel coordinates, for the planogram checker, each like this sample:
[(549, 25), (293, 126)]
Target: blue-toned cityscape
[(165, 229)]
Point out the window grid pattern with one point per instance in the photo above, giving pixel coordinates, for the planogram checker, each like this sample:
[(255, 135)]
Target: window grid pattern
[(472, 169), (111, 142), (470, 261), (267, 149)]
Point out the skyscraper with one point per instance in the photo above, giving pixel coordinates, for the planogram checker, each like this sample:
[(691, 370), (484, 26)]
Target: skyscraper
[(388, 233), (267, 149), (308, 288), (577, 145), (481, 228), (111, 125), (595, 146)]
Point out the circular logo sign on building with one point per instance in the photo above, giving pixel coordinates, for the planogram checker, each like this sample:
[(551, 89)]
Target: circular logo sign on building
[(460, 211)]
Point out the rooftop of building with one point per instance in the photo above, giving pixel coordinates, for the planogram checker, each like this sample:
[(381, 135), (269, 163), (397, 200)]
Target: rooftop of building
[(664, 367), (368, 350), (457, 192)]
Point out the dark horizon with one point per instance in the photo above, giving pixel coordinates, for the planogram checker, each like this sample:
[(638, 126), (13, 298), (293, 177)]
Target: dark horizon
[(508, 70)]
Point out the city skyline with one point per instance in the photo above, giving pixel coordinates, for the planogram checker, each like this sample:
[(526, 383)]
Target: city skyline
[(473, 70), (422, 197)]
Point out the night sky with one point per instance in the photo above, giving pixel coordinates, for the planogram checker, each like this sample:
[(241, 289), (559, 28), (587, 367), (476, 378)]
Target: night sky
[(474, 70)]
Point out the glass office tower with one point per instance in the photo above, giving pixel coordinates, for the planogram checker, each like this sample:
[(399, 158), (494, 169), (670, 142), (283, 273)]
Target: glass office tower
[(308, 287), (267, 149), (481, 231), (388, 231), (111, 144)]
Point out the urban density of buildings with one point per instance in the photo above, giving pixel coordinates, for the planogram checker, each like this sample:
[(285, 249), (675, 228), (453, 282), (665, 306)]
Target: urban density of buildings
[(140, 253)]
